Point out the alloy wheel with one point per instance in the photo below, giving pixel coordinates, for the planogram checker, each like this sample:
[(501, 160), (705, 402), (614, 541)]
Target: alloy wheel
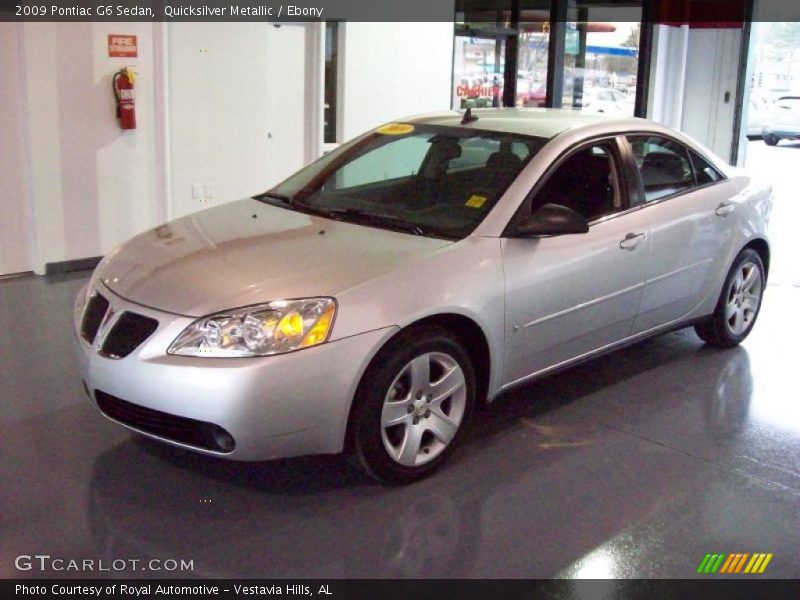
[(423, 409), (744, 296)]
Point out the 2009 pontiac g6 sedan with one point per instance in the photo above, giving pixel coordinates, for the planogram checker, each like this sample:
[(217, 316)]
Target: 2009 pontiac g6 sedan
[(368, 302)]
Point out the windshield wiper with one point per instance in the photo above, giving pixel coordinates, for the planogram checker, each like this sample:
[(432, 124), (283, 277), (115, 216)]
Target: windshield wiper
[(282, 197), (391, 221), (293, 203), (350, 214)]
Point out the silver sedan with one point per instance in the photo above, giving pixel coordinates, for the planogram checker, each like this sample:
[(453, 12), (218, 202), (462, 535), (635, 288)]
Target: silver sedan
[(370, 301)]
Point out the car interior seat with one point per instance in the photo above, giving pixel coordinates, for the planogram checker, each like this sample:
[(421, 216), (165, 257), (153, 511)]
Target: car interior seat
[(582, 183)]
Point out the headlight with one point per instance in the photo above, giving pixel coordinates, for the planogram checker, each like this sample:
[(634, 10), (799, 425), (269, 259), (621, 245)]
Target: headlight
[(261, 330)]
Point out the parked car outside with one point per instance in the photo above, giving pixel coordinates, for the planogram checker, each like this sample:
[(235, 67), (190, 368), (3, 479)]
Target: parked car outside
[(607, 101), (783, 122)]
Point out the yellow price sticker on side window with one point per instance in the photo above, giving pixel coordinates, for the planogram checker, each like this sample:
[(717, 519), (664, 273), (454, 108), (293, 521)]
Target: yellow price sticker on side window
[(476, 201), (395, 129)]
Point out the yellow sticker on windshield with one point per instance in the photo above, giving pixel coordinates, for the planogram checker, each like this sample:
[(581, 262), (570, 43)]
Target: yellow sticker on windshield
[(395, 129), (476, 201)]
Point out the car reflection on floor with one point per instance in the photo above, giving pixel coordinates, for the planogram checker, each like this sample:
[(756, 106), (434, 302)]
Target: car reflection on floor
[(315, 517)]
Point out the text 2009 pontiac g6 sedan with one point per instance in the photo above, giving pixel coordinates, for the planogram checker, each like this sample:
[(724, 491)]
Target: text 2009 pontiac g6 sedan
[(369, 301)]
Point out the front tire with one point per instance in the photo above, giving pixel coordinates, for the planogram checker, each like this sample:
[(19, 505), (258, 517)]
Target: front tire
[(770, 140), (738, 304), (412, 406)]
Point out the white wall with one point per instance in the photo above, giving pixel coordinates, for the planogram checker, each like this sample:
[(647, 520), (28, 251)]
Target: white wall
[(392, 70), (91, 184), (691, 72), (236, 109), (208, 95), (667, 73), (711, 76), (15, 230)]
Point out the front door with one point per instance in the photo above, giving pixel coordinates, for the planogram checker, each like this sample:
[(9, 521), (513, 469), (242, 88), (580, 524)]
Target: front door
[(569, 295)]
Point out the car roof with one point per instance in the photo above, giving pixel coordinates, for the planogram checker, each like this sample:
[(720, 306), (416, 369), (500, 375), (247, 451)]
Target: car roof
[(540, 122)]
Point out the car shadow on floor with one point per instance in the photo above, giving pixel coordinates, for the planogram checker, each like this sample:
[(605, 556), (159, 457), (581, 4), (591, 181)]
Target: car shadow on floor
[(557, 390), (291, 476)]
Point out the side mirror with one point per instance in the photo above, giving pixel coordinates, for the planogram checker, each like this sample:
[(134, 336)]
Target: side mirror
[(551, 219)]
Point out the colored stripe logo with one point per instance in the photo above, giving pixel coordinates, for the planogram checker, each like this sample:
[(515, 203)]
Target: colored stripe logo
[(741, 562)]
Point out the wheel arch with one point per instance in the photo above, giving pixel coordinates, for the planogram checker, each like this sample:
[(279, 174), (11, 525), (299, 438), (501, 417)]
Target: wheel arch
[(466, 330), (761, 246), (472, 338)]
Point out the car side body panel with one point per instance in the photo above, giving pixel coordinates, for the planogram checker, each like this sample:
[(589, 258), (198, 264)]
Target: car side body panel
[(571, 294)]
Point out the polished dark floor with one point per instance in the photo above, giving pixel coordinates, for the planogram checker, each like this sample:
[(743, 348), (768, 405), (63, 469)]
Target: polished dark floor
[(634, 465)]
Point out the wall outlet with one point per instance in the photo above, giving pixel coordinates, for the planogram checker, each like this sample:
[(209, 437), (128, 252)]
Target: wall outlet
[(203, 193)]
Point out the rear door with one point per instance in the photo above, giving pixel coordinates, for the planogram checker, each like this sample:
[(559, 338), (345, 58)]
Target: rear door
[(569, 295), (689, 216)]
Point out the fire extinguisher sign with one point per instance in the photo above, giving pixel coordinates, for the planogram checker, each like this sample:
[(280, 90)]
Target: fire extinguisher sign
[(122, 46)]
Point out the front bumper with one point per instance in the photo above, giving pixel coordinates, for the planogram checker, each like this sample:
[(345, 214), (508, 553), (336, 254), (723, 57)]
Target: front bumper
[(274, 407)]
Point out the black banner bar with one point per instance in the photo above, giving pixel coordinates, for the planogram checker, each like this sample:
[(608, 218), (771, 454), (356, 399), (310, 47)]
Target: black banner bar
[(723, 13), (734, 587)]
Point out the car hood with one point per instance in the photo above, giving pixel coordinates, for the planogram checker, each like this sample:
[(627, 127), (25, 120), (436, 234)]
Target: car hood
[(247, 252)]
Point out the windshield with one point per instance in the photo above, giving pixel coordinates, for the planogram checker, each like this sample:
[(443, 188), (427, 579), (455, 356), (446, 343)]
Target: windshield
[(422, 179)]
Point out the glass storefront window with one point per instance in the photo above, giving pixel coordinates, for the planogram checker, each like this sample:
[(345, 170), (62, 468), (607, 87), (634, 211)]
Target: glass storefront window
[(532, 50), (478, 71), (601, 57), (502, 54)]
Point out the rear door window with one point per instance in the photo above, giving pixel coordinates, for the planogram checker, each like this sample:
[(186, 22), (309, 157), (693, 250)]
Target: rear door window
[(703, 171), (663, 165)]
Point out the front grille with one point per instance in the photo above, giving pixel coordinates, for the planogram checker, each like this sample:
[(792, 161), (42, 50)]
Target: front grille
[(129, 331), (171, 427), (92, 317)]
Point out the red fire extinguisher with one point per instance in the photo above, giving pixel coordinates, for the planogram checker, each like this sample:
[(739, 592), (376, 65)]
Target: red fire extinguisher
[(123, 82)]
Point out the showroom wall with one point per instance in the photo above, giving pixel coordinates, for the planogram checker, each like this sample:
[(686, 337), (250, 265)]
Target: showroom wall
[(238, 119), (15, 229), (237, 131), (85, 183), (393, 70), (694, 77)]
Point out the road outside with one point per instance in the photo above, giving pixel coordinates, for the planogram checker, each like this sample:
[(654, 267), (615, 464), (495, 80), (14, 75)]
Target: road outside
[(780, 165)]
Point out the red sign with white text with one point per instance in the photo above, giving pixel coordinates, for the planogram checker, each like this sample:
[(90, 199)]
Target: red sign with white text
[(123, 46)]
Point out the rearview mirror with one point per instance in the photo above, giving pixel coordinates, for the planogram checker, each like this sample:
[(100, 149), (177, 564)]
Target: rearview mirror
[(551, 219)]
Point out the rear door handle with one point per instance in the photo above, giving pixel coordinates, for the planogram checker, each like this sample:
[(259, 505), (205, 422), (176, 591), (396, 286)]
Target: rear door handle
[(630, 241), (724, 209)]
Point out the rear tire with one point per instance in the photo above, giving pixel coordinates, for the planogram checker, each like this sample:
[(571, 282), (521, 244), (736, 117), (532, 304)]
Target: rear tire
[(739, 303), (412, 406), (770, 140)]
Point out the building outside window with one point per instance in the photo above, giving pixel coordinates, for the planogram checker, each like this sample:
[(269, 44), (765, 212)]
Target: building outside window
[(512, 52)]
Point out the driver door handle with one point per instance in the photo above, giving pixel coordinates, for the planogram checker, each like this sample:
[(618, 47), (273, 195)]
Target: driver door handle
[(724, 209), (630, 241)]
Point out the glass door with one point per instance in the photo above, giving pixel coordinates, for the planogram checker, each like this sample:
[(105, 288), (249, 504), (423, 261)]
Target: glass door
[(478, 71), (601, 58)]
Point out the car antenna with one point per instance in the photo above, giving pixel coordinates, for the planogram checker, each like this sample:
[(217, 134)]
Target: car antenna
[(468, 118)]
